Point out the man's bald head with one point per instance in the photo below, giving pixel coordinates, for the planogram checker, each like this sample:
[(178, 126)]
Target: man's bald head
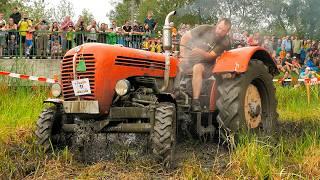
[(223, 27)]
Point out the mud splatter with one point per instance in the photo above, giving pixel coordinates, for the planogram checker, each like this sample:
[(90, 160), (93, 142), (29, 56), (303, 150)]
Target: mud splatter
[(89, 147)]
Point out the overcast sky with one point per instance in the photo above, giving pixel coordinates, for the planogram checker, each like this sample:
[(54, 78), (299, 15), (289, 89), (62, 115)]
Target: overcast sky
[(99, 8)]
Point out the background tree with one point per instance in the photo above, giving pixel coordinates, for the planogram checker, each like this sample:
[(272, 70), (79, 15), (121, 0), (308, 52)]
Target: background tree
[(6, 6), (63, 8), (87, 16), (37, 10), (277, 17)]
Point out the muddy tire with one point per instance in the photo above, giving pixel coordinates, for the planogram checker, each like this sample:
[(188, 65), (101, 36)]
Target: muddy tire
[(48, 129), (247, 103), (164, 133)]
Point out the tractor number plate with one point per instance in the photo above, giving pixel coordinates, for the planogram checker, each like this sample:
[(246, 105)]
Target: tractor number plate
[(81, 87)]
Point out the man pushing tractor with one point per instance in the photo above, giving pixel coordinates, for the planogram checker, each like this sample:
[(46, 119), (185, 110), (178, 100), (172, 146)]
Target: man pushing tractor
[(124, 90)]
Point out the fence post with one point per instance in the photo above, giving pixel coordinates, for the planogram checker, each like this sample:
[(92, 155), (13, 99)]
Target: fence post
[(20, 46), (308, 92)]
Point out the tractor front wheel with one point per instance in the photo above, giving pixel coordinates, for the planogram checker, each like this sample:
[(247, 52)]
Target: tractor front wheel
[(48, 131), (247, 102), (164, 133)]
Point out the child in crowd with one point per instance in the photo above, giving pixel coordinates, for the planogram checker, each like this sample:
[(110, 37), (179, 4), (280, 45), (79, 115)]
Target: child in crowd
[(287, 64), (56, 49), (282, 54), (295, 63), (70, 37), (112, 38), (120, 38), (29, 41), (12, 46), (158, 46), (153, 46), (146, 44), (287, 76), (279, 64), (311, 65), (307, 73)]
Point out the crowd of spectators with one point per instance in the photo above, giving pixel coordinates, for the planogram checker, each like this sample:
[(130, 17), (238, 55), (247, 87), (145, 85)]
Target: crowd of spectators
[(40, 38), (21, 34), (295, 56)]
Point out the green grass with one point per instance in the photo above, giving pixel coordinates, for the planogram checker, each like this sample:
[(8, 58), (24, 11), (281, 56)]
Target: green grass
[(292, 152), (19, 108), (293, 103)]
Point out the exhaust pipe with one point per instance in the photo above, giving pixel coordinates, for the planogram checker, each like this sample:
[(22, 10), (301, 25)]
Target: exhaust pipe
[(167, 46)]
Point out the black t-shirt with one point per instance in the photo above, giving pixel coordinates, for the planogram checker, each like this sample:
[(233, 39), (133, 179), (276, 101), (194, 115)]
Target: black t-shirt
[(16, 17), (204, 37), (81, 27), (127, 28), (151, 23), (138, 29)]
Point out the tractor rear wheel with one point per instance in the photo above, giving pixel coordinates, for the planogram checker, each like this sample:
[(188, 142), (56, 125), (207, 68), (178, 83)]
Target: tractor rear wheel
[(164, 133), (247, 102), (48, 131)]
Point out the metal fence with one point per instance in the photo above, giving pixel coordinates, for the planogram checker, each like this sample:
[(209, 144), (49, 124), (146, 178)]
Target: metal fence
[(45, 44)]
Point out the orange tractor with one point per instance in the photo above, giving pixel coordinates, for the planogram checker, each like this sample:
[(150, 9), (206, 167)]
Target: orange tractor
[(113, 89)]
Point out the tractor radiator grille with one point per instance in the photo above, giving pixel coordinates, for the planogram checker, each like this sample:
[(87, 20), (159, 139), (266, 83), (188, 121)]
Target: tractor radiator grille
[(67, 76), (138, 62)]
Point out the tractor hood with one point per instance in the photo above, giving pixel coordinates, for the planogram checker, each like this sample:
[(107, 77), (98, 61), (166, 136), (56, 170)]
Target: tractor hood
[(104, 65)]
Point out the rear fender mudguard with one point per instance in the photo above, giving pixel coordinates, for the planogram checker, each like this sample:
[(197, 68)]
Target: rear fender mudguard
[(237, 60)]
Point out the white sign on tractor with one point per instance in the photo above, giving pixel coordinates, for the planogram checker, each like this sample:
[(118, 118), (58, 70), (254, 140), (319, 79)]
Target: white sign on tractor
[(81, 87)]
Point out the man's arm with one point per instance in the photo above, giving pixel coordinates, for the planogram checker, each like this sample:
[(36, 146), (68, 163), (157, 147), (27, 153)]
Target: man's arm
[(217, 50), (207, 56), (64, 24), (183, 43), (155, 26), (89, 27)]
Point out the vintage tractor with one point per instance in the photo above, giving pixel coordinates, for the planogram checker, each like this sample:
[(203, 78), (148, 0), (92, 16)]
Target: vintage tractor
[(114, 89)]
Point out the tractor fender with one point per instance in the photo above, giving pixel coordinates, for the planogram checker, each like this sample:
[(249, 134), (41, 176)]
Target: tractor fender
[(53, 101), (237, 60)]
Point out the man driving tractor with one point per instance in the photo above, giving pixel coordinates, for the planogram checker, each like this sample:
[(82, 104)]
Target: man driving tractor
[(199, 49)]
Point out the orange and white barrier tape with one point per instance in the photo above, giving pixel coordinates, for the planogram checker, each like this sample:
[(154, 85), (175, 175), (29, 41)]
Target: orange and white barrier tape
[(311, 81), (32, 78)]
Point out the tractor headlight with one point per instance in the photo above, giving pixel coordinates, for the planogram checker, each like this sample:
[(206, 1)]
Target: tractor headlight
[(122, 87), (56, 90)]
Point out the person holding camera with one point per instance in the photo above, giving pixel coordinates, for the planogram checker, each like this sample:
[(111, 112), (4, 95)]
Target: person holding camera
[(80, 28), (67, 22), (92, 29), (42, 38)]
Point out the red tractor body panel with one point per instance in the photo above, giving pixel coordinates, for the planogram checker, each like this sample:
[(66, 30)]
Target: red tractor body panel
[(237, 60), (113, 63)]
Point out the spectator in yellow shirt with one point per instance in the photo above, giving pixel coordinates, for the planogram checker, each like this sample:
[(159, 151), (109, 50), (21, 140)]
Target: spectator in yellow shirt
[(158, 46), (153, 46), (146, 44), (23, 26)]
